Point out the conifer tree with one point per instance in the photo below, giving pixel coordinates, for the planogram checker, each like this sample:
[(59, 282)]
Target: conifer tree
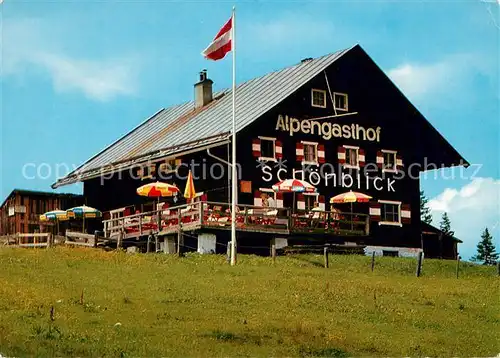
[(425, 211), (486, 249), (445, 225)]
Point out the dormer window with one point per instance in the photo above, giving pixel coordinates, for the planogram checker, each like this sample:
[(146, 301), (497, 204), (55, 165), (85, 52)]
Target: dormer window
[(340, 100), (318, 98)]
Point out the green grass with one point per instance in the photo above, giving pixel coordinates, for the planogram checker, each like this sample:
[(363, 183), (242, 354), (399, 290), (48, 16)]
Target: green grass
[(160, 305)]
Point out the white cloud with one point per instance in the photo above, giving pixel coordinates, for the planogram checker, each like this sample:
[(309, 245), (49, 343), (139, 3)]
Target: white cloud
[(471, 209), (448, 77), (30, 46)]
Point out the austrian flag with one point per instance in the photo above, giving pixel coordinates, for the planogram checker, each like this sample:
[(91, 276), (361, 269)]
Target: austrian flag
[(221, 43)]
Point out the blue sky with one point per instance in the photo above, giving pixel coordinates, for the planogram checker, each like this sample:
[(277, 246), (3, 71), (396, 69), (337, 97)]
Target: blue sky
[(75, 76)]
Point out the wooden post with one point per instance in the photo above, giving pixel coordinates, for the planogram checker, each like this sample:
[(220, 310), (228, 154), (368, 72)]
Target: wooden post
[(96, 238), (201, 212), (148, 247), (228, 252), (273, 253), (179, 232), (49, 240), (458, 264), (325, 253), (419, 264), (119, 240), (373, 260), (157, 244)]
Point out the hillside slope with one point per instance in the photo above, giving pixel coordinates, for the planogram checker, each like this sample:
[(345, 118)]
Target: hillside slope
[(159, 305)]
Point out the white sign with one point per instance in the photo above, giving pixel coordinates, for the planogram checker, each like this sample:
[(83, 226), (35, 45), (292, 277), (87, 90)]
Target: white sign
[(11, 211), (327, 130), (20, 209)]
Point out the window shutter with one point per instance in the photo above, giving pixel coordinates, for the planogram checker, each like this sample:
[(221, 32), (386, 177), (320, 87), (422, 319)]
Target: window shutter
[(399, 162), (299, 151), (361, 157), (380, 159), (321, 153), (278, 149), (321, 202), (341, 155), (279, 200), (375, 211), (256, 147), (257, 200), (301, 202), (405, 214)]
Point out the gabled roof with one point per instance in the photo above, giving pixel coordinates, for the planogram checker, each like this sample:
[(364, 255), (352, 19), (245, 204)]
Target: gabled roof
[(181, 129), (39, 193), (168, 130)]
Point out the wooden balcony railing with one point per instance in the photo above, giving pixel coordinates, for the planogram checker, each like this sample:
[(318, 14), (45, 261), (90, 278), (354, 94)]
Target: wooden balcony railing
[(248, 218)]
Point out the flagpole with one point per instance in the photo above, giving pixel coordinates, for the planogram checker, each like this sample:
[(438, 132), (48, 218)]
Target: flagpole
[(234, 169)]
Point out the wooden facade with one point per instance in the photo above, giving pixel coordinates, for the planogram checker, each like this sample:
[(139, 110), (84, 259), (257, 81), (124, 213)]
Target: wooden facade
[(374, 141), (21, 210)]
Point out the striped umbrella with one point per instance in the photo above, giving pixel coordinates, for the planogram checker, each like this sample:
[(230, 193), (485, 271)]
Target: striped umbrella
[(56, 215), (350, 197), (190, 192), (293, 186), (85, 212)]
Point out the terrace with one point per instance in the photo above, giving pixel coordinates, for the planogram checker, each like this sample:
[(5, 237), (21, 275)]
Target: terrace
[(217, 216)]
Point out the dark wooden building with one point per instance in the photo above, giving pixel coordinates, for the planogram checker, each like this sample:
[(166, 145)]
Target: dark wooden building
[(20, 212), (336, 121)]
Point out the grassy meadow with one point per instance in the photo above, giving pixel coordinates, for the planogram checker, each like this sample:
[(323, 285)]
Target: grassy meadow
[(122, 305)]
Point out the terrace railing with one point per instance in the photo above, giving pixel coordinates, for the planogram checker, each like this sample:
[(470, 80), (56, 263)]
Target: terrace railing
[(248, 218)]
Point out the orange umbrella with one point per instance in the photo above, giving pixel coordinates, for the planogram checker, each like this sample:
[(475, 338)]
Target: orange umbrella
[(190, 192)]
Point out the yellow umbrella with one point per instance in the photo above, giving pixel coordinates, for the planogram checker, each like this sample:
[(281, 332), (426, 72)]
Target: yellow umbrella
[(157, 190), (190, 192), (350, 197)]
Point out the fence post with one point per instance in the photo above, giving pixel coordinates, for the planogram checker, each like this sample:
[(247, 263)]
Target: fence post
[(96, 238), (273, 253), (157, 244), (325, 253), (458, 264), (373, 260), (148, 244), (49, 240), (419, 264)]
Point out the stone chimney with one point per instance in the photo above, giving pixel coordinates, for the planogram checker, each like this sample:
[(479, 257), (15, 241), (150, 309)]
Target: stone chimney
[(203, 91)]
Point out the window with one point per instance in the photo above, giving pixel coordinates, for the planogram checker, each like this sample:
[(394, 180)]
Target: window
[(351, 156), (310, 152), (340, 101), (390, 253), (267, 148), (390, 212), (389, 160), (310, 199), (318, 98)]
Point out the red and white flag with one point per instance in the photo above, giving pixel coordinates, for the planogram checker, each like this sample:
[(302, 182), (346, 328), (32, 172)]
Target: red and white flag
[(221, 44)]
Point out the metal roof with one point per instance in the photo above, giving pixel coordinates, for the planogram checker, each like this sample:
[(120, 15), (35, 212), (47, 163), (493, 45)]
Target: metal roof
[(179, 125)]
